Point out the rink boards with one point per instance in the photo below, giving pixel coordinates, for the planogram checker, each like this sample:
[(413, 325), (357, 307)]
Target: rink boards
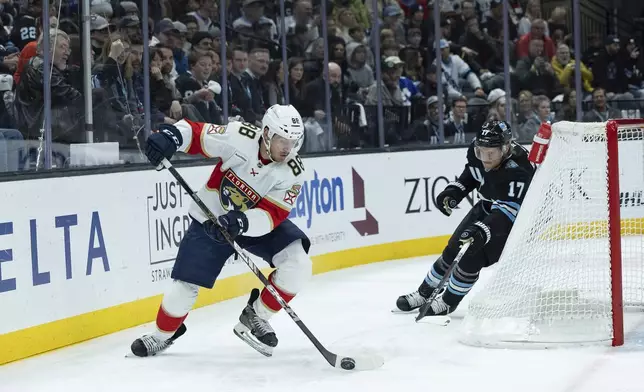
[(85, 256)]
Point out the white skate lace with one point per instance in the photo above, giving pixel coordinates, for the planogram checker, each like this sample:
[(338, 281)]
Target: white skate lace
[(415, 299), (261, 326), (152, 344), (439, 306)]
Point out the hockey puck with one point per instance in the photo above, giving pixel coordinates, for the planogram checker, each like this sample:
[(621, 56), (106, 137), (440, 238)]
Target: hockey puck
[(348, 363)]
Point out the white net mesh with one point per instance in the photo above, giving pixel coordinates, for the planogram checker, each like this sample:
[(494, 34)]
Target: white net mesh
[(552, 285)]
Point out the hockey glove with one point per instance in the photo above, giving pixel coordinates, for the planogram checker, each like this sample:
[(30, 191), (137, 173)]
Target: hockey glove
[(478, 233), (233, 222), (163, 144), (448, 199)]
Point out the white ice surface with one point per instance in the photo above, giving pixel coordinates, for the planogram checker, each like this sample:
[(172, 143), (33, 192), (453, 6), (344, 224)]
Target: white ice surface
[(349, 311)]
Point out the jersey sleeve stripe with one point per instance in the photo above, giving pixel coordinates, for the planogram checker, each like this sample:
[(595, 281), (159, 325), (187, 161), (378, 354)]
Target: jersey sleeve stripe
[(197, 143), (510, 206), (278, 204), (276, 212), (505, 211)]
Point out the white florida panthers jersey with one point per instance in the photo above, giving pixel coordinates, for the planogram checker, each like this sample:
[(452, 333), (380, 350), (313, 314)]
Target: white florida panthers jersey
[(265, 191)]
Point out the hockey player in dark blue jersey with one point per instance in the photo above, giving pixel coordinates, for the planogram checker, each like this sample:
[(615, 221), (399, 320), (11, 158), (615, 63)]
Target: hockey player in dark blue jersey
[(500, 171)]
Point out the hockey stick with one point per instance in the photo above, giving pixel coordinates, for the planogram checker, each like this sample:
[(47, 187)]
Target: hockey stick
[(366, 362), (425, 308)]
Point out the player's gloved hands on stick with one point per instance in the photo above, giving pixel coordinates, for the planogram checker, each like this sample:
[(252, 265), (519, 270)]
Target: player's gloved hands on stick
[(475, 234), (233, 222), (448, 199), (163, 144)]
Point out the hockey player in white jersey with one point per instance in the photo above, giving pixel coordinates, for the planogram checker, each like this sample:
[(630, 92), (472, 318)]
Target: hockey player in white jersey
[(251, 190)]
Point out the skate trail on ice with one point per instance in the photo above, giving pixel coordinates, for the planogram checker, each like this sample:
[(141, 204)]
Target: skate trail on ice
[(349, 311)]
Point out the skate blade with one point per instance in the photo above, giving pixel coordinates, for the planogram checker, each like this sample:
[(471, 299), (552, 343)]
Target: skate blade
[(130, 355), (398, 311), (436, 320), (244, 334)]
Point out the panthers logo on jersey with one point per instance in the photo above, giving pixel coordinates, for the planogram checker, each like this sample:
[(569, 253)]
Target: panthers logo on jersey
[(235, 194)]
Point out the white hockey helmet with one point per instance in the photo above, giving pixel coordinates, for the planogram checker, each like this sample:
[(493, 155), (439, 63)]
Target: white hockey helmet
[(285, 121)]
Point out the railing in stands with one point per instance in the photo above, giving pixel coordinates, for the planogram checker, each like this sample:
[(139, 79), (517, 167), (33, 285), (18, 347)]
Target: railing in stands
[(596, 18)]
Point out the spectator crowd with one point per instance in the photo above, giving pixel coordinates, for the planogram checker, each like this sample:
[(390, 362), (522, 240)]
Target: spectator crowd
[(186, 74)]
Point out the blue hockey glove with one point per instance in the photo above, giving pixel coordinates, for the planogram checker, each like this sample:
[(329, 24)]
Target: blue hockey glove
[(478, 233), (448, 199), (233, 222), (163, 144)]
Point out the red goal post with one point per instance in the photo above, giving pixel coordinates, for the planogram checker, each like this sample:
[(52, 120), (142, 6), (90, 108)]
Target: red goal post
[(575, 257)]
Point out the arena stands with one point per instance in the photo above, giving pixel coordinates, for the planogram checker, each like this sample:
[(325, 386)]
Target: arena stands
[(101, 94)]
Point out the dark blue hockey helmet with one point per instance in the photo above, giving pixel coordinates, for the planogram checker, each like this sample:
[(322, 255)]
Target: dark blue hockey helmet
[(494, 134)]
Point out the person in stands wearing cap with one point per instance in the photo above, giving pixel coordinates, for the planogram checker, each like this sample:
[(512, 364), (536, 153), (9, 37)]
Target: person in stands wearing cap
[(392, 69), (100, 30), (425, 130), (168, 35), (454, 69), (183, 36), (253, 20), (497, 101), (126, 9), (429, 85), (202, 41), (392, 19), (165, 33), (416, 20), (130, 26), (609, 70)]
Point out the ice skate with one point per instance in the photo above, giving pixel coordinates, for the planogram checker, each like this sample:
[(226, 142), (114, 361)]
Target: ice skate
[(410, 303), (438, 307), (149, 345), (254, 330)]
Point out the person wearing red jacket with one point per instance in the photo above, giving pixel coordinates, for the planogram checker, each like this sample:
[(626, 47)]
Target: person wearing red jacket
[(537, 31)]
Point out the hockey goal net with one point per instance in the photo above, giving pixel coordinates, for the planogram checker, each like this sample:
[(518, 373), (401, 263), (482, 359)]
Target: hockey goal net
[(574, 260)]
